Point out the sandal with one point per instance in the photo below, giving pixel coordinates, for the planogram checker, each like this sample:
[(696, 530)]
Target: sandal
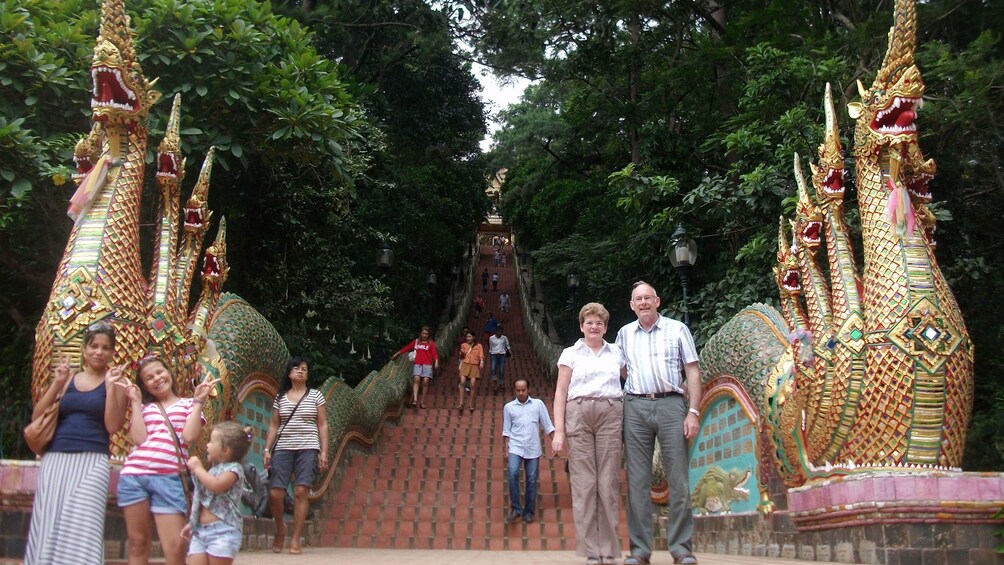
[(295, 550), (422, 406), (278, 541)]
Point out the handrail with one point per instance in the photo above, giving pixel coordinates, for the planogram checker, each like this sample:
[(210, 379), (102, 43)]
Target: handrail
[(546, 350)]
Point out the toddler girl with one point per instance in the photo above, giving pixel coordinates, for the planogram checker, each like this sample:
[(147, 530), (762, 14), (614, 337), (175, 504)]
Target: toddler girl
[(215, 525)]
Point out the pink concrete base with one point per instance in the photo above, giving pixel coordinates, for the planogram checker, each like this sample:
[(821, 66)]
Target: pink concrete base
[(897, 497), (18, 480)]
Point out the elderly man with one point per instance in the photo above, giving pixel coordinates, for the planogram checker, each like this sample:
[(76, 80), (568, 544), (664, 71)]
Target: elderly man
[(658, 404)]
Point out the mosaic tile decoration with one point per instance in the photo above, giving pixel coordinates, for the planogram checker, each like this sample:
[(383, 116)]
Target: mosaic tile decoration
[(721, 455)]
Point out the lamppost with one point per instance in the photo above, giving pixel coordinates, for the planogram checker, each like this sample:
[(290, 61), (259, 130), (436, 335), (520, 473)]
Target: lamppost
[(573, 285), (430, 281), (683, 255), (384, 262)]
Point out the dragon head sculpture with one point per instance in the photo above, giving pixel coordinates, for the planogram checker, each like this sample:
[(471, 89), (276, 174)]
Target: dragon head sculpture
[(121, 95), (170, 163), (808, 217), (828, 174), (215, 268), (786, 275), (196, 212), (887, 112), (87, 151)]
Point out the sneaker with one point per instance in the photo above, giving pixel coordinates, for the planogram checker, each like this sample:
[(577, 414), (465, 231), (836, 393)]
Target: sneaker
[(513, 516), (686, 560), (609, 560), (528, 518), (636, 560), (594, 561)]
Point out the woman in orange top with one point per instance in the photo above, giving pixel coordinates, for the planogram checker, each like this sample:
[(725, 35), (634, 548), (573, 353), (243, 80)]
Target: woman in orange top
[(472, 360)]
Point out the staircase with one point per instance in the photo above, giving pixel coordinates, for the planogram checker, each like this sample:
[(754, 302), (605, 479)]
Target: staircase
[(437, 480)]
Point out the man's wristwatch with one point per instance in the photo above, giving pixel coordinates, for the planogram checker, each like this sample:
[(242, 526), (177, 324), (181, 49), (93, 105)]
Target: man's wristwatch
[(694, 411)]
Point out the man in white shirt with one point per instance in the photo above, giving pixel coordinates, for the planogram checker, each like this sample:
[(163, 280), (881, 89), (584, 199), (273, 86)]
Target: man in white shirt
[(522, 420), (658, 403)]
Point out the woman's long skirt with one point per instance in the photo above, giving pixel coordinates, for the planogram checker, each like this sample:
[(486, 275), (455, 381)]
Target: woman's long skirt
[(68, 515)]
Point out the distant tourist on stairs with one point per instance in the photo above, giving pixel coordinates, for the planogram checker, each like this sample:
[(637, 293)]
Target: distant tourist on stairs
[(522, 420), (588, 417), (484, 280), (426, 361), (505, 303), (472, 360), (498, 349), (658, 402), (490, 324), (479, 306), (495, 281)]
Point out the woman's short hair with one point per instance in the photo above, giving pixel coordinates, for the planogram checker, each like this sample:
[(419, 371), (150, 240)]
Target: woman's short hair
[(285, 383), (594, 309)]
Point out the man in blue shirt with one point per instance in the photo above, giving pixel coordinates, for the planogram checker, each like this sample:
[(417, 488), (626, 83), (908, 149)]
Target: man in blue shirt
[(522, 420)]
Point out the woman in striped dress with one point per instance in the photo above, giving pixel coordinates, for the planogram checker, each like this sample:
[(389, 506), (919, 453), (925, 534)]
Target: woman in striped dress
[(297, 440), (68, 514)]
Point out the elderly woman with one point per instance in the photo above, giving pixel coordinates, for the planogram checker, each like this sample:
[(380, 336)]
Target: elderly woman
[(588, 413)]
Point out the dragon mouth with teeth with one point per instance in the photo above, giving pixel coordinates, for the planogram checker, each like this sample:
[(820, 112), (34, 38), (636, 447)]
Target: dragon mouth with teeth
[(811, 232), (83, 165), (212, 271), (111, 91), (167, 167), (791, 281), (833, 182), (898, 118), (193, 218)]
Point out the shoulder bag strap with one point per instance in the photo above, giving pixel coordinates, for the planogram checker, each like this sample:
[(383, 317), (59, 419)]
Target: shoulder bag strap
[(286, 423), (183, 470)]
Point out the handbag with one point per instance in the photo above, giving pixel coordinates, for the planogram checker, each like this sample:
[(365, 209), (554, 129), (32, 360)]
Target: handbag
[(38, 433), (411, 355), (183, 474)]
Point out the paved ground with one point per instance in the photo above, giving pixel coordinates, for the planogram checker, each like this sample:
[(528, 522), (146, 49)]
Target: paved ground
[(326, 556)]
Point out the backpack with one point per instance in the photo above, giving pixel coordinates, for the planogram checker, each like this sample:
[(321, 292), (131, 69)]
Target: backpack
[(255, 495)]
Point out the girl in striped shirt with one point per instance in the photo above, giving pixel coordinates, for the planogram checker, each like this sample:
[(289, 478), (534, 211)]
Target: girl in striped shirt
[(150, 483)]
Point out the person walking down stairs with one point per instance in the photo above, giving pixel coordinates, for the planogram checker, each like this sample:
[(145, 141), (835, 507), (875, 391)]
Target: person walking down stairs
[(472, 361), (422, 352), (499, 350), (522, 420)]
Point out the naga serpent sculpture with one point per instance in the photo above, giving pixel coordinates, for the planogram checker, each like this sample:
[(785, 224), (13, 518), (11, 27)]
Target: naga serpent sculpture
[(865, 369), (100, 278)]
